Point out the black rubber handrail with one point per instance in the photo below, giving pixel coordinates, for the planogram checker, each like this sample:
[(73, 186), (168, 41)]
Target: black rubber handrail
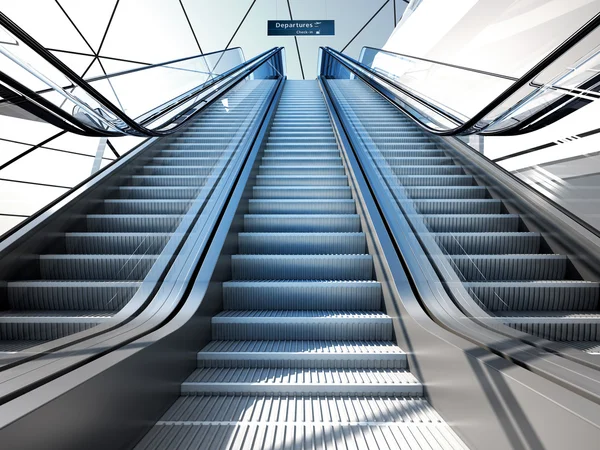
[(471, 125), (54, 114)]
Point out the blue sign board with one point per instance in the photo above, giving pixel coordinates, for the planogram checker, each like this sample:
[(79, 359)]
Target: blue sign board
[(300, 28)]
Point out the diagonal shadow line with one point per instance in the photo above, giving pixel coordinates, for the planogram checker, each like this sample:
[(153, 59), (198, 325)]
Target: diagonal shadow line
[(75, 26), (296, 41), (365, 26)]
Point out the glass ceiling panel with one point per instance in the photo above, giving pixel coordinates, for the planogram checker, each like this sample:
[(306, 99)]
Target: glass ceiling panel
[(154, 33), (91, 18), (44, 20)]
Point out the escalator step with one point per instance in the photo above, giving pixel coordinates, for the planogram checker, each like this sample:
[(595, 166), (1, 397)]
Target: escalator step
[(298, 161), (95, 267), (151, 223), (70, 295), (155, 192), (302, 325), (297, 354), (141, 206), (455, 206), (489, 243), (167, 180), (302, 295), (436, 180), (447, 192), (302, 192), (301, 243), (537, 295), (511, 267), (301, 170), (116, 243), (301, 267), (472, 222), (313, 206), (427, 170), (349, 223), (302, 381), (301, 180)]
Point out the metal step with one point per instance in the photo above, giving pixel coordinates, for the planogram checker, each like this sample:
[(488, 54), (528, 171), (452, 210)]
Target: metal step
[(302, 325), (301, 192), (151, 223), (564, 326), (447, 192), (302, 180), (301, 243), (298, 354), (70, 295), (301, 267), (116, 243), (301, 381), (455, 206), (301, 170), (302, 295), (348, 223), (510, 267), (95, 267), (158, 192), (299, 206), (255, 422), (537, 295), (141, 206), (472, 222), (489, 243)]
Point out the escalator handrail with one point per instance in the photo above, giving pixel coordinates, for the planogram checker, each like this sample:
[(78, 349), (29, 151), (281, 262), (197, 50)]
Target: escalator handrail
[(470, 125), (131, 126)]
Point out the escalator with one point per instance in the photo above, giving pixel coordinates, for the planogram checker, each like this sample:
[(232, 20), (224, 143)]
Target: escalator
[(302, 354), (94, 268), (508, 269), (244, 277)]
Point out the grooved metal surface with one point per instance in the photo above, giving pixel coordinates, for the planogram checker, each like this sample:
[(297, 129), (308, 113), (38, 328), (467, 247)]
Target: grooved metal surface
[(98, 264), (302, 355), (507, 269)]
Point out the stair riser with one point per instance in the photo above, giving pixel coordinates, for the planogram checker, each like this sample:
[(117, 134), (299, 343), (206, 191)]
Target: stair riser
[(298, 224), (302, 296), (303, 244), (536, 298), (489, 245), (116, 244), (69, 298), (340, 192), (379, 330), (100, 269), (350, 268), (302, 207)]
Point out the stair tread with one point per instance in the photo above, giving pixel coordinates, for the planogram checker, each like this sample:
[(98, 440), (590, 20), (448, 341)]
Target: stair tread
[(325, 348)]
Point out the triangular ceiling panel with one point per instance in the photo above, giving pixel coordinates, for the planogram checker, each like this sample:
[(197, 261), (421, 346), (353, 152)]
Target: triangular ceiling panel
[(154, 33), (45, 21), (375, 33), (345, 29), (252, 35), (215, 22), (91, 18)]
